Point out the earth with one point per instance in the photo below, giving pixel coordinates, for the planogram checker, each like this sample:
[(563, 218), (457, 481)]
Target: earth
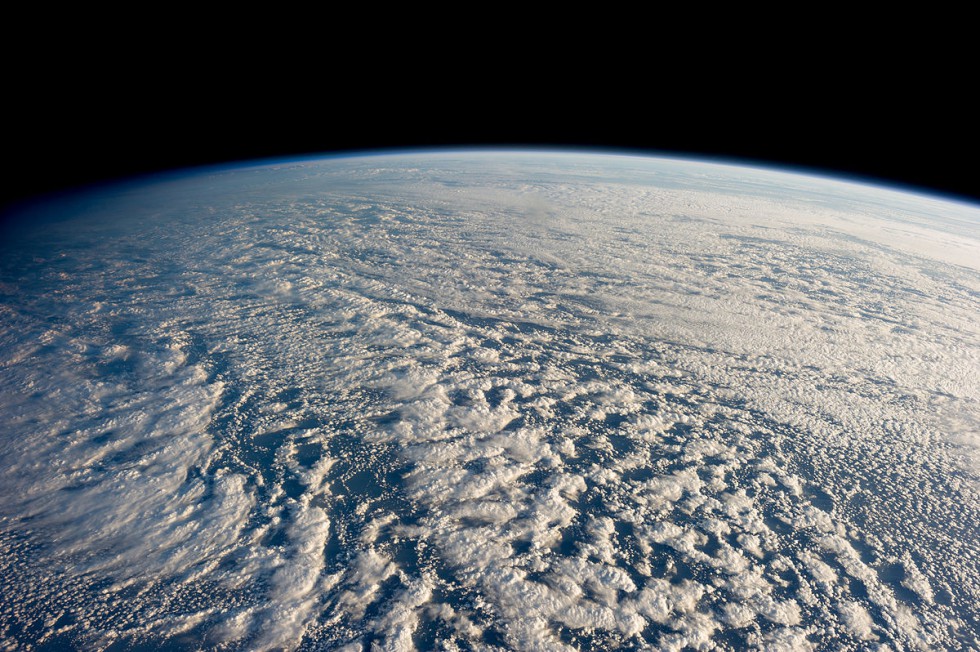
[(490, 401)]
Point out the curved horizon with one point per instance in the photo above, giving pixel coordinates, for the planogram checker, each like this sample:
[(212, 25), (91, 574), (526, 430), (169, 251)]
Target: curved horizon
[(78, 190)]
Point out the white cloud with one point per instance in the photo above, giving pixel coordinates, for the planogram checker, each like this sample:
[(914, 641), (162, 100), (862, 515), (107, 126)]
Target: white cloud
[(857, 620)]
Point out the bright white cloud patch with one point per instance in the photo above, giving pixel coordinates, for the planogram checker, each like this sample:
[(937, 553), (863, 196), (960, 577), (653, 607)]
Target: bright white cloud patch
[(492, 401)]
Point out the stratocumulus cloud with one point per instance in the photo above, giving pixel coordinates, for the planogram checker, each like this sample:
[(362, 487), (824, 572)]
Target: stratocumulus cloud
[(493, 401)]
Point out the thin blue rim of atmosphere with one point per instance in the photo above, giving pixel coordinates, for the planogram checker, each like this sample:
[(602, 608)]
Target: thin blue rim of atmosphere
[(159, 176)]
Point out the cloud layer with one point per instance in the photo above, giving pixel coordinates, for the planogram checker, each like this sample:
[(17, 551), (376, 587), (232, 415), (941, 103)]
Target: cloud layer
[(493, 401)]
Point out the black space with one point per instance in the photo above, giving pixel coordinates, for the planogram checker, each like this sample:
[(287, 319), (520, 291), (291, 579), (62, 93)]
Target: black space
[(107, 111)]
